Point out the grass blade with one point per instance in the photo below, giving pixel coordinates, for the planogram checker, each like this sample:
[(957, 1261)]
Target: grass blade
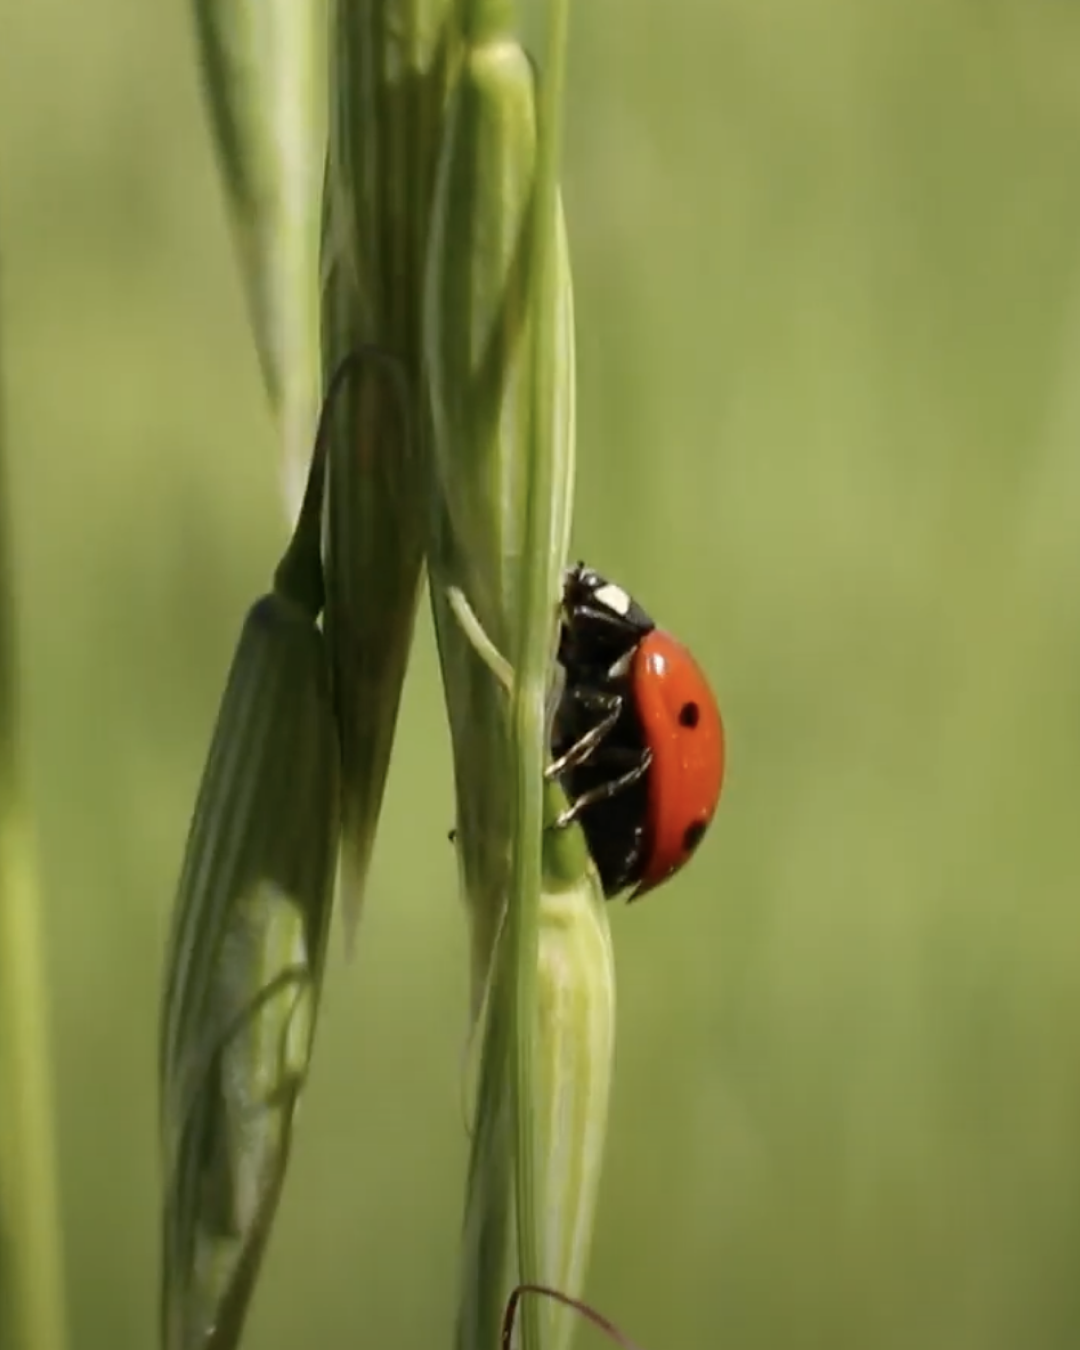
[(247, 952), (387, 87), (245, 970), (264, 64)]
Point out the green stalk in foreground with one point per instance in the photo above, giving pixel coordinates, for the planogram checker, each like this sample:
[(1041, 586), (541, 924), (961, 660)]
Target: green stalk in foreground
[(498, 291), (31, 1279), (539, 587)]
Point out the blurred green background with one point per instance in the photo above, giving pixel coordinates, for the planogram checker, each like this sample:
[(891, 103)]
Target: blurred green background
[(827, 256)]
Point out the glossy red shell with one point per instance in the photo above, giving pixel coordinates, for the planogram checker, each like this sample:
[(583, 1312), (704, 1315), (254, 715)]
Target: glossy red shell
[(682, 727)]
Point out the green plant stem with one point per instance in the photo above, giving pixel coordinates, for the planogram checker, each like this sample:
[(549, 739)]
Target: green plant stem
[(31, 1280), (532, 663)]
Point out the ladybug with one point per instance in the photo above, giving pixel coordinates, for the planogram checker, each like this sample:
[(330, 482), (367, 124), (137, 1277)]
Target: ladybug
[(637, 740)]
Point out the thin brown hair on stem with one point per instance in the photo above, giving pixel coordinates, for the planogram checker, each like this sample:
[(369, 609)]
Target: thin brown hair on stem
[(582, 1309)]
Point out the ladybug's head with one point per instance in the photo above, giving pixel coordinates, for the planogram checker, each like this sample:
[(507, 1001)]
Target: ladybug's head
[(602, 623)]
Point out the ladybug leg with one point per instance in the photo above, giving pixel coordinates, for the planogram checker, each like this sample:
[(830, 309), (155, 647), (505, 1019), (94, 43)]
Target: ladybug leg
[(605, 790), (583, 749)]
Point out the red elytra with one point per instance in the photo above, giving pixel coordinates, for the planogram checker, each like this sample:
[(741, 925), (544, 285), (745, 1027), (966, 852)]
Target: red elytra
[(637, 742), (683, 729)]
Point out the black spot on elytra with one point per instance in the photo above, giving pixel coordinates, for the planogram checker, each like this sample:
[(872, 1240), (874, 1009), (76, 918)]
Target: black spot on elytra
[(689, 714), (692, 836)]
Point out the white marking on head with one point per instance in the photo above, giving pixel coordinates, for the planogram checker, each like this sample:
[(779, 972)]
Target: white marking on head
[(614, 597)]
